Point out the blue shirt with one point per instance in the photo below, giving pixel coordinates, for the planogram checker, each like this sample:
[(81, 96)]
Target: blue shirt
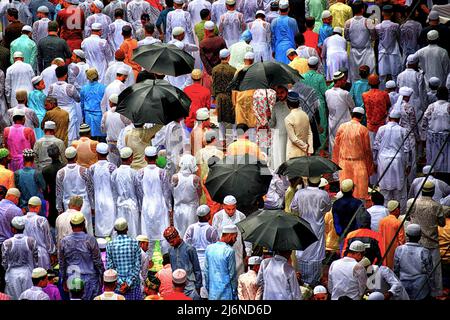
[(358, 88), (185, 257), (220, 272), (162, 19), (36, 102), (284, 29), (80, 250), (8, 210), (324, 32), (343, 211), (31, 183), (123, 254), (91, 96)]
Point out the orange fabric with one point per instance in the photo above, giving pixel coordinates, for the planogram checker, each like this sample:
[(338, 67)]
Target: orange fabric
[(242, 147), (388, 227), (243, 107), (352, 152), (6, 177), (86, 151), (200, 98), (365, 233), (128, 45), (27, 132), (214, 207), (311, 39)]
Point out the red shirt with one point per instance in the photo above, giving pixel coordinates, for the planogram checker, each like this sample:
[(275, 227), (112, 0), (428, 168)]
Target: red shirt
[(177, 296), (200, 98), (155, 4), (311, 39), (71, 23), (376, 103)]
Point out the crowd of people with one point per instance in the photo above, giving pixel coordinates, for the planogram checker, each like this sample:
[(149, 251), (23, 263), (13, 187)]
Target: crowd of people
[(94, 206)]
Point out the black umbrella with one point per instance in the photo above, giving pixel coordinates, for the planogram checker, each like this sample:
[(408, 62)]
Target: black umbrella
[(312, 166), (265, 75), (164, 58), (277, 230), (153, 101), (241, 176)]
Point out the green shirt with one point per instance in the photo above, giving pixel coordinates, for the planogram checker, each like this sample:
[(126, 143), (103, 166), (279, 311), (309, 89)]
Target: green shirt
[(27, 46), (199, 30)]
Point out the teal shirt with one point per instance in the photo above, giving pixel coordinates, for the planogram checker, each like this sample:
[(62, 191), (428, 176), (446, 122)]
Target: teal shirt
[(36, 102), (28, 47), (358, 88)]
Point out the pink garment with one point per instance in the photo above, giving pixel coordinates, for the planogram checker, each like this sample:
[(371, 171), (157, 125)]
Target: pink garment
[(52, 291), (103, 255), (17, 142), (165, 276)]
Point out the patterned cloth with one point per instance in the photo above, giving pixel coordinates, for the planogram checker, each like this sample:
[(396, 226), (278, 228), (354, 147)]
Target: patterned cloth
[(124, 256), (222, 75), (263, 103)]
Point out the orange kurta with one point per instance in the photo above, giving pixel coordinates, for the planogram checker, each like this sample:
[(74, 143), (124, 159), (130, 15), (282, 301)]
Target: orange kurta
[(128, 45), (388, 227), (353, 154), (6, 177)]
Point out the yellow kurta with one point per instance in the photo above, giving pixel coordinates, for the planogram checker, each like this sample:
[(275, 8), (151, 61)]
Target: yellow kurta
[(300, 138), (299, 64), (341, 13), (243, 106), (352, 152)]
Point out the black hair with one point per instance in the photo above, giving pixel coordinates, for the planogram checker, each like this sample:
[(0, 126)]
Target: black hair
[(118, 13), (243, 127), (166, 259), (52, 26), (309, 22), (204, 13), (299, 39), (13, 12), (126, 31), (377, 198), (442, 93), (149, 28)]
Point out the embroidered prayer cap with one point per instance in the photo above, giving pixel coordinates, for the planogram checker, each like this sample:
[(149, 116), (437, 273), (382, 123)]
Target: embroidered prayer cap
[(254, 260), (202, 114), (38, 273), (293, 96), (179, 276), (114, 98), (102, 148), (428, 186), (42, 9), (337, 30), (319, 289), (35, 80), (91, 74), (203, 210), (249, 56), (313, 61), (391, 84), (126, 152), (260, 12), (177, 31), (99, 4), (142, 238), (230, 228), (18, 222), (224, 53), (196, 74), (151, 151), (326, 14), (229, 200), (70, 152), (27, 29), (434, 81), (338, 75), (84, 127), (289, 51), (96, 26), (110, 275), (209, 25), (28, 153), (79, 53), (170, 233), (230, 2), (433, 35), (18, 54), (359, 110), (392, 205), (346, 185), (101, 243), (13, 192), (120, 224), (283, 4), (34, 201), (77, 218), (433, 15)]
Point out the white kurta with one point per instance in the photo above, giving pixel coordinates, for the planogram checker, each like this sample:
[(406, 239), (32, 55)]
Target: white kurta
[(115, 37), (414, 79), (249, 9), (377, 212), (135, 9), (346, 277), (19, 260), (101, 18), (334, 52), (222, 219), (77, 74), (34, 293), (359, 31), (105, 209), (40, 29), (155, 213), (49, 77), (441, 189), (38, 228), (115, 87), (218, 8), (278, 279), (434, 62), (18, 76), (180, 18), (194, 8), (75, 185), (98, 54), (312, 204), (125, 198), (389, 57), (111, 73), (261, 39), (388, 140), (279, 134), (186, 202), (231, 27), (340, 105), (148, 40)]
